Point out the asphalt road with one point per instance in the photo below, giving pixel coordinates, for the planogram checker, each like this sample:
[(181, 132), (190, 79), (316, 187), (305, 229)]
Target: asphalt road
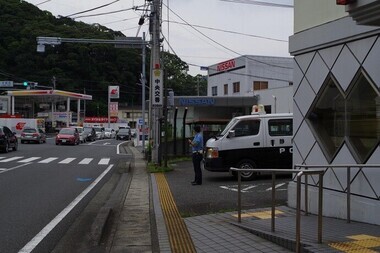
[(218, 193), (44, 187)]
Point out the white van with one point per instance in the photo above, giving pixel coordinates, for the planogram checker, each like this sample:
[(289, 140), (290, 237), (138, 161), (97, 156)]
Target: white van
[(261, 141)]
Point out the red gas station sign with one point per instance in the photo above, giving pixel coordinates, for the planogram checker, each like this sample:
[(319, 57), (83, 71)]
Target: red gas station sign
[(344, 2)]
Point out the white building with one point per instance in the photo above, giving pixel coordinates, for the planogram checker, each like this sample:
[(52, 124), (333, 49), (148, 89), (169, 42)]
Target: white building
[(336, 49), (270, 79)]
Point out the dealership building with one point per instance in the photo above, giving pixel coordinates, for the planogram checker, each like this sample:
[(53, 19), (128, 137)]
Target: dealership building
[(233, 87)]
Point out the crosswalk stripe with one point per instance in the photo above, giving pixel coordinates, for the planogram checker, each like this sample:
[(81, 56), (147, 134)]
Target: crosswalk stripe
[(86, 161), (48, 160), (30, 159), (11, 159), (104, 161), (67, 160)]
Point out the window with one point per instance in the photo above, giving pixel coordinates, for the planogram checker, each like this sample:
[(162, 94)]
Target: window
[(280, 127), (214, 91), (363, 118), (353, 119), (247, 128), (260, 85), (226, 89), (236, 87)]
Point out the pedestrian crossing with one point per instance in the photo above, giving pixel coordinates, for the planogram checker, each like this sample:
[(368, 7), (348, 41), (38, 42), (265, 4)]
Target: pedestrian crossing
[(47, 160)]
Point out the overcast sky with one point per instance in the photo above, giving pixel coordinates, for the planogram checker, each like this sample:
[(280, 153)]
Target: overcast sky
[(216, 30)]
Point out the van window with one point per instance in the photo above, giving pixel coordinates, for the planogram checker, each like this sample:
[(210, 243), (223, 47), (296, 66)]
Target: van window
[(247, 127), (280, 127)]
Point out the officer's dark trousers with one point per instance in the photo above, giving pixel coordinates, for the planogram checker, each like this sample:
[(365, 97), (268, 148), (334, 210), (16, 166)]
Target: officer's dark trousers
[(197, 159)]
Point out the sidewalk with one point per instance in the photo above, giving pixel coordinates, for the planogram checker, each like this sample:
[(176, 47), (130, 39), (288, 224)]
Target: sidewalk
[(221, 232)]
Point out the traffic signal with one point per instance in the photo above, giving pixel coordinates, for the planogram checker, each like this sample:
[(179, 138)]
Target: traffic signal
[(25, 84)]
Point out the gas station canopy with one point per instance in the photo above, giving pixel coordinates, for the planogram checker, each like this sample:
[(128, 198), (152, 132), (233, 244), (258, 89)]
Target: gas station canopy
[(51, 95)]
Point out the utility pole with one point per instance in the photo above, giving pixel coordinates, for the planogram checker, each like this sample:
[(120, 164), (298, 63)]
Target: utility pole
[(156, 81)]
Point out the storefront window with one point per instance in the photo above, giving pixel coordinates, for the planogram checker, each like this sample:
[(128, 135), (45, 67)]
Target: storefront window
[(363, 118)]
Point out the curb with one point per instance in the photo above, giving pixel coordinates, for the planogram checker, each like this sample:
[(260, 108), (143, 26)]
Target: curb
[(102, 219)]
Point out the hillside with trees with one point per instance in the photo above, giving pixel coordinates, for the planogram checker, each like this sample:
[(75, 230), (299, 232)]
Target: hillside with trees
[(82, 68)]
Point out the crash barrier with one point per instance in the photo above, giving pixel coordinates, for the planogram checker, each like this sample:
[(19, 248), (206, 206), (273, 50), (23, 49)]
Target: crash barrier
[(299, 173)]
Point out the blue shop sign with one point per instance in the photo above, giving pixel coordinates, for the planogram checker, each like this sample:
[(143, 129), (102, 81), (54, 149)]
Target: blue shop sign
[(196, 101)]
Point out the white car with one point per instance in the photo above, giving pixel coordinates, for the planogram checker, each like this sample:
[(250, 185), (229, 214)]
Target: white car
[(109, 133), (82, 134), (99, 133)]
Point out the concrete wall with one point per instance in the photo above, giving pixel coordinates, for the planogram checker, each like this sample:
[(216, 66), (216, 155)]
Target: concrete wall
[(338, 49), (310, 13)]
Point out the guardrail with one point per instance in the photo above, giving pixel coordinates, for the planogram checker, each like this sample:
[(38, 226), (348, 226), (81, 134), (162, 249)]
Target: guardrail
[(299, 174), (348, 167)]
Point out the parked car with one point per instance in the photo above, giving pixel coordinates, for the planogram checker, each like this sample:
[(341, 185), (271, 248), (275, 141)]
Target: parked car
[(99, 133), (90, 132), (133, 133), (67, 136), (123, 134), (109, 133), (82, 134), (8, 139), (31, 134)]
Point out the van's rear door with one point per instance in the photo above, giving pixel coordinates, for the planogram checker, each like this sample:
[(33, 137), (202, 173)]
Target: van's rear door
[(279, 141)]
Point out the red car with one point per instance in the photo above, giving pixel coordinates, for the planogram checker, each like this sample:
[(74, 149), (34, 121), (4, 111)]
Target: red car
[(67, 136)]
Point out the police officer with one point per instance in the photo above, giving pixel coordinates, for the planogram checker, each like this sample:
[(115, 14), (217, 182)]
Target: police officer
[(197, 155)]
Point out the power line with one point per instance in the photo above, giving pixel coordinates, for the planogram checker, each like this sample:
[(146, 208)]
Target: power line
[(96, 8), (227, 31), (104, 13), (259, 3), (43, 2), (229, 49)]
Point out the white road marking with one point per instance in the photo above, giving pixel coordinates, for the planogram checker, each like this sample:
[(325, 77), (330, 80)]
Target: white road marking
[(86, 161), (67, 160), (248, 188), (31, 245), (104, 161), (276, 186), (11, 159), (13, 168), (30, 159), (48, 160), (229, 188)]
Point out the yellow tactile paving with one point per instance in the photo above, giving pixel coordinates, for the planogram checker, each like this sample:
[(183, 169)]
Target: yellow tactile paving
[(260, 215), (179, 236), (360, 244)]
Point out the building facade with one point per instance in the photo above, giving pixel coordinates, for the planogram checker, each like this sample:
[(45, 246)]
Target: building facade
[(268, 78), (337, 104)]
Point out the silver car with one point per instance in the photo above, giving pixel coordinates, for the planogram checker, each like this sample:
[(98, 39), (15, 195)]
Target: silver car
[(99, 133)]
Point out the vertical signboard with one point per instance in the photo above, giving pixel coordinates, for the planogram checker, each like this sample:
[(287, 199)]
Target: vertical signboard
[(157, 88), (114, 108), (113, 91)]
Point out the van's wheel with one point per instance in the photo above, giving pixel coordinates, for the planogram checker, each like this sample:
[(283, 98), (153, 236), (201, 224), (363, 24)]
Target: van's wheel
[(246, 164)]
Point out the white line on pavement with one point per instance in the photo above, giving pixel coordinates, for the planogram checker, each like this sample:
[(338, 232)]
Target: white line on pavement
[(30, 246), (48, 160), (67, 160), (104, 161), (86, 161), (11, 159), (30, 159)]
